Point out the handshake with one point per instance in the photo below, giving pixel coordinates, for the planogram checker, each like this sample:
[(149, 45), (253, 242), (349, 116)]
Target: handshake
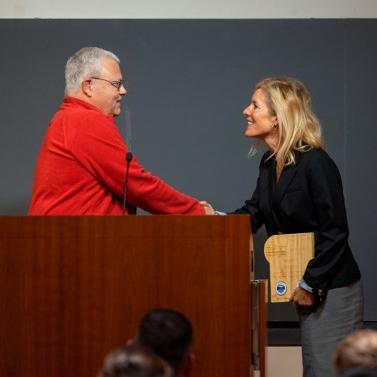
[(209, 210)]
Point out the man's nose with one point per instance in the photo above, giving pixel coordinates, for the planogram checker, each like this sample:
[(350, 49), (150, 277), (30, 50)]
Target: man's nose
[(123, 90)]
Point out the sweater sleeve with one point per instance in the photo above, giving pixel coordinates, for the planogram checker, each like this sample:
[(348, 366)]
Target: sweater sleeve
[(98, 146)]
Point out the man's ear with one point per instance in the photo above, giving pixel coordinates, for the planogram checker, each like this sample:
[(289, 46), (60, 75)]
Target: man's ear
[(130, 342), (86, 87), (188, 365)]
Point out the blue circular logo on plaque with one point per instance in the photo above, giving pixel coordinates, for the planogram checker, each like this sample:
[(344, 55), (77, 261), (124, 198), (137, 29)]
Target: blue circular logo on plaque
[(281, 288)]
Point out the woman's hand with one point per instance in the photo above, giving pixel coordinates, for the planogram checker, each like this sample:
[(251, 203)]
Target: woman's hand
[(302, 297)]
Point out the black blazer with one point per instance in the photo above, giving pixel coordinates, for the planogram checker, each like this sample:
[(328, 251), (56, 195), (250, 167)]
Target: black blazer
[(307, 198)]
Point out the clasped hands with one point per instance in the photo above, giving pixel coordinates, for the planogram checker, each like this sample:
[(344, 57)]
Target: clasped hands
[(209, 210)]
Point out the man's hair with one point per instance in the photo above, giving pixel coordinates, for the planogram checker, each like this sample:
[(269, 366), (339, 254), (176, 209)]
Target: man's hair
[(168, 333), (357, 349), (85, 62), (134, 362)]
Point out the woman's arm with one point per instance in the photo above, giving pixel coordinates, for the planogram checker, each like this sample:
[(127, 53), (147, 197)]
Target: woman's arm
[(331, 239)]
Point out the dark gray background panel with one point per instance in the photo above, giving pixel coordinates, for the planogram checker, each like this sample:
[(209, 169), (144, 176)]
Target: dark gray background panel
[(189, 81)]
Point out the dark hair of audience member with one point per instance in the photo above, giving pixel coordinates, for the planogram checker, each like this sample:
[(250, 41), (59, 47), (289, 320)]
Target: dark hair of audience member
[(134, 361), (168, 333)]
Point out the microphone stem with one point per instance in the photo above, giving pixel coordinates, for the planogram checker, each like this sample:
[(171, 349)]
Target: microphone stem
[(128, 160)]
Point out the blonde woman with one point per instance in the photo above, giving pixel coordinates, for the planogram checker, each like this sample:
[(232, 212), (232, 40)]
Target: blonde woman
[(299, 189)]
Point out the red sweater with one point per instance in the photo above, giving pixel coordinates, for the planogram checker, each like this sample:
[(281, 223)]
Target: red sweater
[(81, 170)]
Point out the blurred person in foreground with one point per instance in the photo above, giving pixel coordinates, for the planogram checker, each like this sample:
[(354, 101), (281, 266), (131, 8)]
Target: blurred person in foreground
[(81, 168), (168, 333), (134, 362), (357, 350)]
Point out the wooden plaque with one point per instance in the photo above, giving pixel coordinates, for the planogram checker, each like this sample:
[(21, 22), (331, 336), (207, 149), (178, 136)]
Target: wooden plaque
[(288, 256)]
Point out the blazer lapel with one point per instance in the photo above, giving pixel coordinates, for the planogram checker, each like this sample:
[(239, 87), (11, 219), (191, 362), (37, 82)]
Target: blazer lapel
[(285, 179), (267, 188), (266, 181)]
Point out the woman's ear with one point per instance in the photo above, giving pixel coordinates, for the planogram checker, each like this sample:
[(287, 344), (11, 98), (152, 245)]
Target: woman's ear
[(275, 122)]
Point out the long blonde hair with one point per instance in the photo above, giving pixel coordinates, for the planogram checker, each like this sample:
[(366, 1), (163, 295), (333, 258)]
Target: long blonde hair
[(298, 127)]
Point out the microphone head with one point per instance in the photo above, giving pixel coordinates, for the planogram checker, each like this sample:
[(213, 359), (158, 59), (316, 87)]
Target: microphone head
[(129, 156)]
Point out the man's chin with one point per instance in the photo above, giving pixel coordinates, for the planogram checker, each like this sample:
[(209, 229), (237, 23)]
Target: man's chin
[(117, 112)]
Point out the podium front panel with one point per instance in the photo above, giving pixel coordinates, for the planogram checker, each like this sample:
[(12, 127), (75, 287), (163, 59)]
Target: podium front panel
[(73, 288)]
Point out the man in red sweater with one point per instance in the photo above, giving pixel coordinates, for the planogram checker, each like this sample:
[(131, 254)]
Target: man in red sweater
[(81, 167)]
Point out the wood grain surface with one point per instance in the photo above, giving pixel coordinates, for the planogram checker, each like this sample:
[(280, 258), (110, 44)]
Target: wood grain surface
[(288, 256), (73, 288)]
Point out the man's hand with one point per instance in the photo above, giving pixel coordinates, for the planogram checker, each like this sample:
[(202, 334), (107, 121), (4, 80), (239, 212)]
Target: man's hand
[(302, 297), (208, 208)]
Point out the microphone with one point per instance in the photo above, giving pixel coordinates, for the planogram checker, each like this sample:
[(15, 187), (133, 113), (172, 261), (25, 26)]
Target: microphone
[(129, 157)]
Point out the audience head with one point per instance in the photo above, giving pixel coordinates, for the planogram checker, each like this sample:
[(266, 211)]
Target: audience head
[(168, 333), (134, 361), (357, 350)]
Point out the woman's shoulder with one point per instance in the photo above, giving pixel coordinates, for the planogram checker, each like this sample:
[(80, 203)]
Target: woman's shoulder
[(316, 154), (318, 159)]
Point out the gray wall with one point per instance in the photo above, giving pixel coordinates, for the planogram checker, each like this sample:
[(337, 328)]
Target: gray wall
[(188, 83), (240, 9)]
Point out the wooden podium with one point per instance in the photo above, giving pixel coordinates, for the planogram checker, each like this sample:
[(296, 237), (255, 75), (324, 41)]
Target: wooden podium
[(73, 288)]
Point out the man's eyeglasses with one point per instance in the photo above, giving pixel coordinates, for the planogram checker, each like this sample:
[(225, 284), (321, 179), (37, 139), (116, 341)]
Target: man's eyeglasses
[(116, 84)]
